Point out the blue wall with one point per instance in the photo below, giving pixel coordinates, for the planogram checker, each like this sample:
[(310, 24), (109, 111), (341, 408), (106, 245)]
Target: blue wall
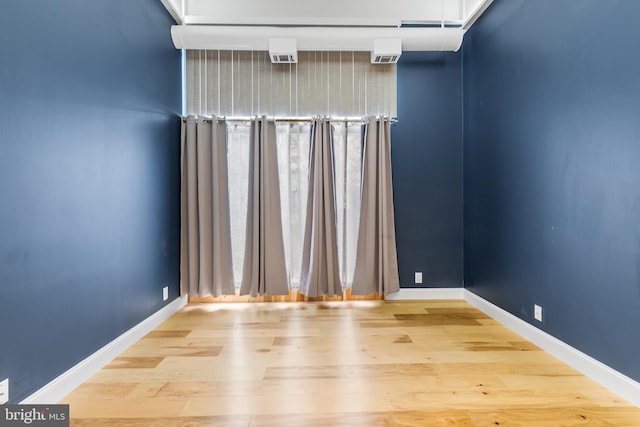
[(89, 179), (427, 169), (552, 182)]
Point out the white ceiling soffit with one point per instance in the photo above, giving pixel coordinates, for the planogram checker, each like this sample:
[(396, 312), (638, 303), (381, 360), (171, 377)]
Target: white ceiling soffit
[(212, 37), (330, 13), (325, 13)]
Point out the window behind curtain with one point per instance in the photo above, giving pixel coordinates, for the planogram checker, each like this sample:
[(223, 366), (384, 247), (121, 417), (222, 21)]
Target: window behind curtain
[(338, 84), (293, 163)]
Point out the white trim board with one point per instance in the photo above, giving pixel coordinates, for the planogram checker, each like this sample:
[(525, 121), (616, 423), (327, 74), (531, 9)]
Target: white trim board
[(607, 377), (61, 386), (420, 294)]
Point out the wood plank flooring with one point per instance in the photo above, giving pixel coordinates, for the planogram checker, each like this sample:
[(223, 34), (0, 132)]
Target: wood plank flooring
[(348, 363)]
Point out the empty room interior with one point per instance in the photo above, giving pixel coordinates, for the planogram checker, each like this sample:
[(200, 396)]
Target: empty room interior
[(252, 213)]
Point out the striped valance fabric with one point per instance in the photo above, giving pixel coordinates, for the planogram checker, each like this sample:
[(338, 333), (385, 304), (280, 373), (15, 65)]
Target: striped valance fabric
[(246, 83)]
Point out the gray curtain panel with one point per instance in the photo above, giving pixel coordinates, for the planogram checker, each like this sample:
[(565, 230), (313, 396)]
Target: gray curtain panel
[(265, 270), (320, 272), (376, 258), (206, 265)]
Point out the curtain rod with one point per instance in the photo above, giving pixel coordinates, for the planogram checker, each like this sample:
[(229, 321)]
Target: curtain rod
[(293, 119)]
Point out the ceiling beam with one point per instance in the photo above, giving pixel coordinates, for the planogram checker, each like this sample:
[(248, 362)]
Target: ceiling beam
[(462, 14), (174, 11), (216, 37)]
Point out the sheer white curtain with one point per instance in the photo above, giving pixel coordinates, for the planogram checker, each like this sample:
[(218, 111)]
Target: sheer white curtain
[(293, 159), (347, 141), (293, 164), (238, 161)]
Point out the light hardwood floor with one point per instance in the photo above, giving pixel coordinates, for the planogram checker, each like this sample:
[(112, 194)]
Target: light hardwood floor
[(351, 363)]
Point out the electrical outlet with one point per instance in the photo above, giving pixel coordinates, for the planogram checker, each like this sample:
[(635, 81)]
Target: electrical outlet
[(537, 312), (418, 277), (4, 391), (165, 293)]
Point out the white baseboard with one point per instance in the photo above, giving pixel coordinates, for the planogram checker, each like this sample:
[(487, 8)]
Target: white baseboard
[(57, 389), (609, 378), (417, 294)]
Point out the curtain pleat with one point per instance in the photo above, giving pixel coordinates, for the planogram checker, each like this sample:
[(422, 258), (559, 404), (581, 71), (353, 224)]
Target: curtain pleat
[(320, 272), (376, 259), (264, 271), (184, 212), (206, 264)]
